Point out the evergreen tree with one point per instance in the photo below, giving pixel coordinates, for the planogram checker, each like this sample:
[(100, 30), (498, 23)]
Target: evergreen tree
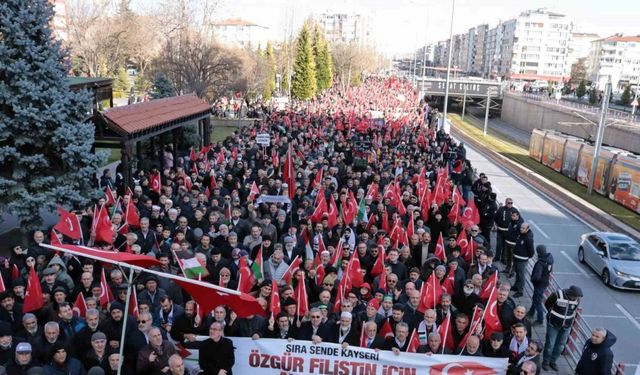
[(270, 83), (304, 67), (122, 81), (324, 65), (141, 84), (45, 145), (285, 82), (625, 98), (593, 96), (581, 90), (162, 87)]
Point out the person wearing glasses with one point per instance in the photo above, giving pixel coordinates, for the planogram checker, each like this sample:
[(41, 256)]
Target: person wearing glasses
[(314, 330), (217, 355), (530, 355)]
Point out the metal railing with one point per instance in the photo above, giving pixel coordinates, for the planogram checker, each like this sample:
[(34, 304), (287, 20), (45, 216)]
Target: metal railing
[(578, 107), (580, 332)]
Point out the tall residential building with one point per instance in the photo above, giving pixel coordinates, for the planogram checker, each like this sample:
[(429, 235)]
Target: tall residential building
[(617, 58), (345, 27), (580, 46), (60, 21), (240, 33)]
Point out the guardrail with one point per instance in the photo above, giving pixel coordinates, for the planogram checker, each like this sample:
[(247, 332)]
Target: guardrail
[(580, 332), (579, 107)]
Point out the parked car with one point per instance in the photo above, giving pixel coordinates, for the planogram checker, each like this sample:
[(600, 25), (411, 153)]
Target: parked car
[(613, 256)]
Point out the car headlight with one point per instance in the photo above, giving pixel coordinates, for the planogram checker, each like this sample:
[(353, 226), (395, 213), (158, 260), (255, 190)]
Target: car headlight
[(626, 275)]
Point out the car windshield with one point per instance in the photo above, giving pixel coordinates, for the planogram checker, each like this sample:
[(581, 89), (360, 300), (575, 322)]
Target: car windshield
[(625, 251)]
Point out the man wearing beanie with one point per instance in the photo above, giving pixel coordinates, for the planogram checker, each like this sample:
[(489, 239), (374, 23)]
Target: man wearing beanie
[(540, 280), (562, 307)]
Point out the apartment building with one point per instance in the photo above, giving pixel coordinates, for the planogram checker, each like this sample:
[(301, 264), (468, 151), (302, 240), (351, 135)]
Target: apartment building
[(345, 27), (617, 58)]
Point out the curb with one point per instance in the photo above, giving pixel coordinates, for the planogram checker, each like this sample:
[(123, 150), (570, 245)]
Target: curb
[(585, 211)]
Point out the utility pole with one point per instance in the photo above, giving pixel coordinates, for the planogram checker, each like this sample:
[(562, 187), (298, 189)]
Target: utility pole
[(600, 135), (464, 101), (446, 90), (486, 113)]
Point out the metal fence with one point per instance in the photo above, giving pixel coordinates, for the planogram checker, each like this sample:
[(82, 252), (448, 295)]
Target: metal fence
[(579, 107), (580, 332)]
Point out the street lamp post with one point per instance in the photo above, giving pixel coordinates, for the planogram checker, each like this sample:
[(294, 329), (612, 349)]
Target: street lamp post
[(464, 100), (599, 136), (486, 113), (446, 90)]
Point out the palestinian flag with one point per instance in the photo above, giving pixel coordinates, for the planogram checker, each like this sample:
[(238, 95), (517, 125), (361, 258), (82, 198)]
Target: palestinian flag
[(257, 266), (192, 268), (362, 211)]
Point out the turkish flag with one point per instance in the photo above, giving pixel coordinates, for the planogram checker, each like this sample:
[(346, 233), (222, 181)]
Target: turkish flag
[(414, 342), (488, 286), (204, 151), (439, 252), (155, 183), (105, 296), (275, 159), (110, 256), (457, 197), (454, 213), (461, 368), (133, 303), (333, 214), (382, 281), (247, 280), (430, 293), (317, 181), (321, 208), (363, 337), (410, 227), (386, 330), (54, 238), (15, 272), (491, 317), (470, 214), (378, 266), (212, 182), (111, 196), (463, 242), (274, 303), (69, 224), (254, 192), (300, 294), (356, 279), (209, 297), (131, 215), (220, 158), (291, 270), (447, 284), (337, 304), (476, 321), (234, 153), (193, 156), (33, 294), (102, 226), (446, 333), (80, 306)]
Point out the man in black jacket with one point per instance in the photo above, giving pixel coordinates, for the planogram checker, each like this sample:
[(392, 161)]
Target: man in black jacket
[(217, 352), (540, 280), (314, 330), (522, 252), (597, 357), (501, 219)]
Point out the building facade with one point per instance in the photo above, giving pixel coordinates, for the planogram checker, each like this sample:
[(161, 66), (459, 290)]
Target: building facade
[(617, 58), (345, 27), (240, 33), (60, 21)]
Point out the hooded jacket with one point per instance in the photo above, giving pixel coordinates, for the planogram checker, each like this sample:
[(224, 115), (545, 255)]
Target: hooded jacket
[(597, 358), (62, 275), (542, 268)]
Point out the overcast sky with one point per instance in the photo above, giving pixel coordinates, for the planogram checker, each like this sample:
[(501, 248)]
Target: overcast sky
[(400, 25)]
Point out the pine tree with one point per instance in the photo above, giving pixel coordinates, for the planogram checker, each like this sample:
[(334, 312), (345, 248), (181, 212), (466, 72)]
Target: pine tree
[(270, 84), (324, 65), (141, 84), (625, 98), (581, 90), (304, 67), (122, 81), (162, 87), (45, 145), (593, 96)]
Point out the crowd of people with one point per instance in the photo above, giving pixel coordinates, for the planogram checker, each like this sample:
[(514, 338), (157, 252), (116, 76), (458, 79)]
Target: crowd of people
[(358, 201)]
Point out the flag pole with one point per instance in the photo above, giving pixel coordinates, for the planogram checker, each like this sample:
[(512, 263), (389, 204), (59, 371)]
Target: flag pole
[(124, 320)]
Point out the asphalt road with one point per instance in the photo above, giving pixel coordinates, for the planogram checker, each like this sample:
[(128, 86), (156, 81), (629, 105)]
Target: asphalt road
[(553, 226)]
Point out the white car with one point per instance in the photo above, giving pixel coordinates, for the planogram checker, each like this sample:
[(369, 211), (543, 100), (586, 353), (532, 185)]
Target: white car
[(613, 256)]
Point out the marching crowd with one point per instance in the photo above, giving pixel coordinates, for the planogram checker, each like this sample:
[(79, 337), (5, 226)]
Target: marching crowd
[(358, 222)]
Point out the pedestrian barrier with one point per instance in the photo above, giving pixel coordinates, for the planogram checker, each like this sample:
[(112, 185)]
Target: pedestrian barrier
[(580, 332)]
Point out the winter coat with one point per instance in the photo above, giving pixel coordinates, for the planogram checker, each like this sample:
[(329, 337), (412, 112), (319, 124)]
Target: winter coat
[(62, 275), (542, 271), (597, 359)]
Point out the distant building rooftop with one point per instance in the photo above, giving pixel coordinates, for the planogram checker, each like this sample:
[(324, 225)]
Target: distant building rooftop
[(621, 38), (235, 22), (88, 81)]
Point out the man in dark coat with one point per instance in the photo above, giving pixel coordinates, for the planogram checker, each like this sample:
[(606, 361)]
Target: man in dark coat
[(216, 352), (373, 340), (540, 280), (597, 357), (346, 331), (400, 342), (314, 330), (10, 311)]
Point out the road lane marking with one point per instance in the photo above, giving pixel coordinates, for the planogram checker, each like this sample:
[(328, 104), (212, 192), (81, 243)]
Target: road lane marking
[(567, 273), (539, 230), (637, 369), (629, 316), (562, 245), (575, 264), (603, 316)]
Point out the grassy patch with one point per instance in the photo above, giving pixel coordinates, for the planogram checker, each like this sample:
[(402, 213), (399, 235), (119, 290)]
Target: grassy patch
[(502, 145), (219, 133)]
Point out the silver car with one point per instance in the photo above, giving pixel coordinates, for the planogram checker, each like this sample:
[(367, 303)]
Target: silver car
[(614, 256)]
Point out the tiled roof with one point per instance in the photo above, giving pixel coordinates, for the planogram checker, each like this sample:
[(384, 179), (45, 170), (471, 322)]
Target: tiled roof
[(620, 38), (137, 117), (234, 22)]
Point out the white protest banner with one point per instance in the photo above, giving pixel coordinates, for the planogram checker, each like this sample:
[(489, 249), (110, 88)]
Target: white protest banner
[(263, 139), (275, 356)]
